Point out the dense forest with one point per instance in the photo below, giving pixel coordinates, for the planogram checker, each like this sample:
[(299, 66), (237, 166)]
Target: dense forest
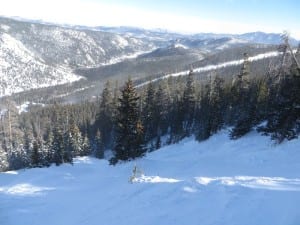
[(132, 121)]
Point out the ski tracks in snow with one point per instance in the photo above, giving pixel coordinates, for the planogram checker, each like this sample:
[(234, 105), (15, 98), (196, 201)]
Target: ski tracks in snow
[(253, 182)]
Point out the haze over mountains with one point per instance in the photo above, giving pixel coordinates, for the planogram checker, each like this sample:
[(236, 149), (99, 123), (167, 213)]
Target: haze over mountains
[(35, 55)]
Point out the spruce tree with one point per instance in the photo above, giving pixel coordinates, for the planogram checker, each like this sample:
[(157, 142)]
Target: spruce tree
[(129, 136), (216, 104), (104, 118), (188, 105), (284, 99), (86, 147), (149, 114), (203, 121), (162, 111), (49, 147), (244, 96), (58, 146), (36, 157)]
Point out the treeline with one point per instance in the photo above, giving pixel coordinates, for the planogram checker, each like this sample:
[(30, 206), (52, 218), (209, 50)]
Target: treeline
[(132, 121)]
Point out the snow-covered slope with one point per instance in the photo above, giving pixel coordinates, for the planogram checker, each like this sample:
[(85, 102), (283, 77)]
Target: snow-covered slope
[(21, 70), (36, 55), (219, 181)]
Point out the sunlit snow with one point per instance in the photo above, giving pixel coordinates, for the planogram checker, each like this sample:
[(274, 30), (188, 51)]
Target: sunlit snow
[(219, 181)]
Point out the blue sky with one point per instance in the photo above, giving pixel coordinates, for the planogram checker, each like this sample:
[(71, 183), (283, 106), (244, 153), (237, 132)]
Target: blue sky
[(189, 16)]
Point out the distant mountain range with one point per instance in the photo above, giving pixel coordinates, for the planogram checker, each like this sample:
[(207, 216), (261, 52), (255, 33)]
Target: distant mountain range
[(253, 37), (34, 54)]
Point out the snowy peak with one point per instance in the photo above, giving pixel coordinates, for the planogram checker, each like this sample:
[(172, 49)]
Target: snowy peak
[(265, 38)]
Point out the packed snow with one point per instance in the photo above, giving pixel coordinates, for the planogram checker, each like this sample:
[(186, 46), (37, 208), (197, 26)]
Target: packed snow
[(216, 182)]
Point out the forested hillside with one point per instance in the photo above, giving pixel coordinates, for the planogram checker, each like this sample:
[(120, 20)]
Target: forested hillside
[(132, 121)]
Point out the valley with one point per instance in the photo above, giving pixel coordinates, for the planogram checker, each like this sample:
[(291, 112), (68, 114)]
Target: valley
[(46, 62)]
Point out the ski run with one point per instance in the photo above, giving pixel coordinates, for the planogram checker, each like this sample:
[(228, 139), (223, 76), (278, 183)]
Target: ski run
[(216, 182)]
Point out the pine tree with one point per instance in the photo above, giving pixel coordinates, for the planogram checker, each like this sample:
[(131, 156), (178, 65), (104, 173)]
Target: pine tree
[(284, 99), (49, 148), (188, 105), (129, 141), (74, 140), (177, 120), (162, 111), (262, 99), (149, 119), (58, 146), (244, 102), (86, 147), (104, 118), (3, 160), (216, 104), (203, 121), (35, 154)]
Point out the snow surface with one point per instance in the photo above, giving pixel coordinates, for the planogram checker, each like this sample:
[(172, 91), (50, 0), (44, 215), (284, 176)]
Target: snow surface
[(178, 45), (217, 182), (24, 106)]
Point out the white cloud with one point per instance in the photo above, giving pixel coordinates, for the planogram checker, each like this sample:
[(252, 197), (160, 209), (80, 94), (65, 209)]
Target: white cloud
[(92, 13)]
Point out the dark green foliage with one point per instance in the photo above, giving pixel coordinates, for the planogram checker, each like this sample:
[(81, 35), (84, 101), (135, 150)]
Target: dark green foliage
[(203, 121), (216, 104), (149, 114), (188, 105), (35, 155), (58, 146), (104, 119), (244, 96), (129, 136), (283, 118)]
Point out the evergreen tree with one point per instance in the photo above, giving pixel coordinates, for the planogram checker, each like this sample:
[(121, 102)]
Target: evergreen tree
[(104, 118), (262, 99), (58, 146), (203, 123), (284, 100), (74, 140), (177, 120), (188, 105), (98, 146), (86, 147), (216, 104), (35, 154), (244, 96), (3, 160), (162, 111), (149, 114), (129, 143), (49, 148)]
